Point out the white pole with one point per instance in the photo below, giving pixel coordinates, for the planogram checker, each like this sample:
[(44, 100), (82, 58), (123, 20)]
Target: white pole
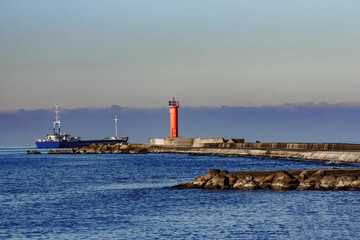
[(57, 118), (116, 125)]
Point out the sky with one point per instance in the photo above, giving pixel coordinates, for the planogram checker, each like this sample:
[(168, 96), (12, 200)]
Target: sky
[(139, 53)]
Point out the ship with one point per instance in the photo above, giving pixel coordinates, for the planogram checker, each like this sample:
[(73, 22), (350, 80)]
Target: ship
[(59, 139)]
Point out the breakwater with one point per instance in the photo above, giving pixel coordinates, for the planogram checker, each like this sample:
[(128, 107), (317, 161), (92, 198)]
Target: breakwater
[(287, 146), (342, 156), (119, 148), (312, 151), (314, 179)]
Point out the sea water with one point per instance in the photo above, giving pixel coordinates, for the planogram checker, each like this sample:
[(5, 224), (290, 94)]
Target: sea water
[(118, 196)]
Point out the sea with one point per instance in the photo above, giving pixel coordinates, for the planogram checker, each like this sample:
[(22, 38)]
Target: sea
[(119, 196)]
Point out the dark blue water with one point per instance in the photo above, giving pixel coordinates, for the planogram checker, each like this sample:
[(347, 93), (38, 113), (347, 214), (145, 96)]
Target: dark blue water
[(110, 196)]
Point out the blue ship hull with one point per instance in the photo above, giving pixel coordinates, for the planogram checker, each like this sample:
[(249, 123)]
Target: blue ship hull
[(79, 143), (47, 144)]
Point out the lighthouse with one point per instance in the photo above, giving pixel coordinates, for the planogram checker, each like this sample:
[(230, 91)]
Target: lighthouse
[(173, 106)]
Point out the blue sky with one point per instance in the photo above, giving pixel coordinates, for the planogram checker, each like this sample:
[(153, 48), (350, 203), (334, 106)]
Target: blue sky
[(206, 53)]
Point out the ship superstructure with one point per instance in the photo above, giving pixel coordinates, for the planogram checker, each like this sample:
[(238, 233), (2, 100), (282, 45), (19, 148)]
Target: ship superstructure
[(62, 140)]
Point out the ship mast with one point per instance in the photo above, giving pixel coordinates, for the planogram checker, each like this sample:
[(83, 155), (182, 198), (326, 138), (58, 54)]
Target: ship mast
[(57, 119), (116, 120)]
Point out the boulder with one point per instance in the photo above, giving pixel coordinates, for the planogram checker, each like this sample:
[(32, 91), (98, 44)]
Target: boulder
[(259, 179), (241, 180), (284, 181), (327, 182), (342, 183), (250, 185), (308, 184), (232, 180), (199, 182), (211, 174), (311, 181), (266, 183), (138, 151), (93, 146), (60, 151), (317, 176), (123, 147), (245, 183), (91, 151), (304, 175), (354, 185), (217, 182), (116, 147), (331, 179), (34, 152)]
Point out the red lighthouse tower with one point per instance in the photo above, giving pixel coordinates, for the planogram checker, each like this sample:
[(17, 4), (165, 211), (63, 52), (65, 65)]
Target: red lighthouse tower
[(173, 105)]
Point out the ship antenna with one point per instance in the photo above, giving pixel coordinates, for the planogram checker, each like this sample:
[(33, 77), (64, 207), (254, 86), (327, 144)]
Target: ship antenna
[(116, 120), (57, 119)]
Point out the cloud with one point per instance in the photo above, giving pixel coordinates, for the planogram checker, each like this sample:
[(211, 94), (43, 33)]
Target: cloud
[(300, 122)]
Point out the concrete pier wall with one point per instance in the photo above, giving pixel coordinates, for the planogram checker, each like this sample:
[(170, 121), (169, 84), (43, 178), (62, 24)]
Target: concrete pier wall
[(342, 156), (288, 146), (184, 142)]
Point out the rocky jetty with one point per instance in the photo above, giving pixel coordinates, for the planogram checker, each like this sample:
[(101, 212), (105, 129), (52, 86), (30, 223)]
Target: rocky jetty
[(33, 152), (314, 179), (119, 148)]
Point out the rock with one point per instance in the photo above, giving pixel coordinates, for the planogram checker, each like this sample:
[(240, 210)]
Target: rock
[(249, 178), (86, 148), (33, 152), (310, 181), (232, 180), (304, 175), (116, 147), (217, 182), (331, 179), (138, 151), (245, 183), (124, 151), (250, 185), (123, 147), (224, 172), (60, 151), (308, 184), (284, 181), (211, 174), (241, 180), (187, 185), (259, 179), (318, 175), (342, 183), (93, 146), (266, 183), (91, 151), (327, 182), (354, 185), (200, 182)]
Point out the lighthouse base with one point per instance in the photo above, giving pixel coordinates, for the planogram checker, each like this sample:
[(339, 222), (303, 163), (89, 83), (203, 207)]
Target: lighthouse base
[(183, 142)]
